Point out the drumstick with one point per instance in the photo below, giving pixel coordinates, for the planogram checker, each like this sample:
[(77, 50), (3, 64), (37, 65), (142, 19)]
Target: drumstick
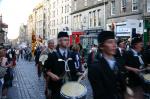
[(83, 75), (145, 69)]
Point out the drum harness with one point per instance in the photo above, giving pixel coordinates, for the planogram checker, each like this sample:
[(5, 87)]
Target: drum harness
[(66, 76)]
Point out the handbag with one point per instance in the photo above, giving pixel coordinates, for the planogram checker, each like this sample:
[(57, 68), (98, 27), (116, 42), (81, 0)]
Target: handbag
[(2, 71)]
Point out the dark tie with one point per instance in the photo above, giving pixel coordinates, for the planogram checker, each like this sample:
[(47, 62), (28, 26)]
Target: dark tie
[(115, 69), (139, 54), (122, 52), (64, 55)]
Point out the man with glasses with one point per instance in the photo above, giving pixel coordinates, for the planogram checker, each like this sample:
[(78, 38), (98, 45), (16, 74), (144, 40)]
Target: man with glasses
[(57, 70)]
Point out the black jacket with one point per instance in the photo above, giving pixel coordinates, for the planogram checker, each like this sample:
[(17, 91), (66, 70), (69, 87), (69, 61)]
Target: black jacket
[(120, 55), (105, 83), (133, 61), (58, 67)]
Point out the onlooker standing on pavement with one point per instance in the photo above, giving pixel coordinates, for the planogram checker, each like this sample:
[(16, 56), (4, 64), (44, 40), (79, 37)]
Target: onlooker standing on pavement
[(56, 65), (107, 74), (6, 62), (43, 58), (29, 54), (17, 54), (3, 61), (13, 54), (21, 53), (37, 56)]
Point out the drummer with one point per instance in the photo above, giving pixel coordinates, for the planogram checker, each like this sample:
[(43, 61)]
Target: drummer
[(56, 65), (134, 62), (107, 76)]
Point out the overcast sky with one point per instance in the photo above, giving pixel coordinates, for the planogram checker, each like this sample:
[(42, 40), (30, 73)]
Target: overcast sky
[(16, 12)]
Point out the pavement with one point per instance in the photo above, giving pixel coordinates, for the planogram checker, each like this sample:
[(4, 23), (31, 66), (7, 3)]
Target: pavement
[(27, 85)]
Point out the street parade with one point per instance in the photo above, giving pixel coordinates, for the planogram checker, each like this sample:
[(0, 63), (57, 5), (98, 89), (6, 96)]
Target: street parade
[(75, 49)]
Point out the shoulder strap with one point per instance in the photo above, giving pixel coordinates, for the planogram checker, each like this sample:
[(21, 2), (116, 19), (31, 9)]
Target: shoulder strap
[(57, 54)]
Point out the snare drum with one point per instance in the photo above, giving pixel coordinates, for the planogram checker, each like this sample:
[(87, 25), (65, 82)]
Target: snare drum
[(146, 81), (147, 77), (73, 90)]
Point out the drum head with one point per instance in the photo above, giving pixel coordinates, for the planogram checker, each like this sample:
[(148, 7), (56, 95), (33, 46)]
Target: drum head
[(73, 89), (147, 77)]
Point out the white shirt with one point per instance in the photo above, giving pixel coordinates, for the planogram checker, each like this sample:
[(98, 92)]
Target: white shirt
[(62, 51), (136, 54), (111, 62)]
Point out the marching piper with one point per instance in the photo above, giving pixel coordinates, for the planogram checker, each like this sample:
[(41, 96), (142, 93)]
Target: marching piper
[(107, 75), (121, 50)]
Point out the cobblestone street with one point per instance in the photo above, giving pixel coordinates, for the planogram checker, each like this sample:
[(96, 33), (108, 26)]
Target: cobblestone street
[(27, 85)]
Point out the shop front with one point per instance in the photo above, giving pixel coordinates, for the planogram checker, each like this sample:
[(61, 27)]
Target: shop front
[(75, 37), (90, 38), (122, 32)]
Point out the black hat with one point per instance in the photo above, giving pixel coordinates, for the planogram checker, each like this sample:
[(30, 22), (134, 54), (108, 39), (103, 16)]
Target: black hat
[(119, 41), (136, 40), (104, 35), (62, 34)]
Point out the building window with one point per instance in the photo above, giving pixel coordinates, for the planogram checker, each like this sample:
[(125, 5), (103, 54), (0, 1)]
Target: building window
[(62, 20), (99, 17), (57, 2), (53, 4), (80, 23), (148, 6), (57, 21), (77, 21), (85, 2), (67, 19), (90, 19), (74, 21), (123, 5), (54, 31), (50, 23), (54, 13), (112, 7), (75, 4), (57, 30), (62, 9), (57, 11), (54, 22), (68, 8), (134, 5), (94, 18), (65, 9)]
